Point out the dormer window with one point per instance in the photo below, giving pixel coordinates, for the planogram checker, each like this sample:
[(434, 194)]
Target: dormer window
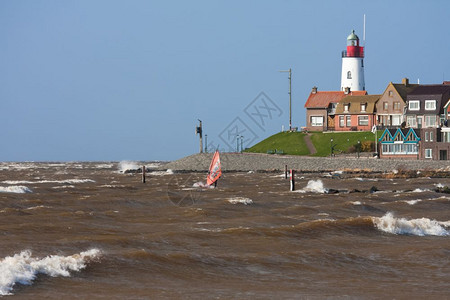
[(346, 107), (363, 107), (430, 104), (414, 105)]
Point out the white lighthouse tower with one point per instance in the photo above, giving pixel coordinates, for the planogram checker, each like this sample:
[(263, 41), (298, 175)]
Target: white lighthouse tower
[(353, 65)]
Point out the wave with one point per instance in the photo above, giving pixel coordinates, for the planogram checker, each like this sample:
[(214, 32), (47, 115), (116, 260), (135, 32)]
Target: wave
[(65, 181), (240, 200), (420, 227), (162, 173), (126, 165), (17, 189), (313, 186), (22, 268)]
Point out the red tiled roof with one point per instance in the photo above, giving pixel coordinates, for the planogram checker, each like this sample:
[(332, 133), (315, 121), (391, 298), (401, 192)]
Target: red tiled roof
[(323, 99)]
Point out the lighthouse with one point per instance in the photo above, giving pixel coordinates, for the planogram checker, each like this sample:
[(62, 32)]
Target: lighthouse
[(353, 65)]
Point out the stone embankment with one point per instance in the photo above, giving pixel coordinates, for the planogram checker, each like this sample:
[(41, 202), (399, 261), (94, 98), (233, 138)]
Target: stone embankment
[(265, 162)]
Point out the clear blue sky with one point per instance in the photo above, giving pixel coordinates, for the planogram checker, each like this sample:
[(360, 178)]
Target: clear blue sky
[(116, 80)]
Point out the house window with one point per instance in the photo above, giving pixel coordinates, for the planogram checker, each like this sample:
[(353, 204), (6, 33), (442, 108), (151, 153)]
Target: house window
[(412, 122), (363, 107), (426, 136), (414, 105), (431, 136), (346, 107), (341, 121), (397, 106), (391, 93), (430, 121), (385, 105), (430, 104), (428, 153), (363, 120), (349, 75), (317, 121), (349, 121), (396, 120)]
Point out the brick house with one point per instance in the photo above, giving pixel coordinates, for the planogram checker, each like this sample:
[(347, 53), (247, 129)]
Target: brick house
[(356, 113), (321, 107), (390, 107)]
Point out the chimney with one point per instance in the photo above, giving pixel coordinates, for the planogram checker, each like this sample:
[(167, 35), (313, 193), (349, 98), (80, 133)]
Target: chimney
[(314, 90), (347, 90), (405, 81)]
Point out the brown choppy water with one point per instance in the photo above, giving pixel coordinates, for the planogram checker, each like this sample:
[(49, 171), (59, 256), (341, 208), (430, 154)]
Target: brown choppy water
[(84, 230)]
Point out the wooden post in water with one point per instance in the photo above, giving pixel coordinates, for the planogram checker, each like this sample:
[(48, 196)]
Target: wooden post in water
[(292, 180), (285, 171), (143, 174)]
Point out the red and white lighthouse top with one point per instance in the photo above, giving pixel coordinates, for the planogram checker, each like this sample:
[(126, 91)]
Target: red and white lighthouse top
[(353, 47)]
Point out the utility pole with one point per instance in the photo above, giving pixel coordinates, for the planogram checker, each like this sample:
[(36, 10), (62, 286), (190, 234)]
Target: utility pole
[(290, 96), (198, 131), (206, 143)]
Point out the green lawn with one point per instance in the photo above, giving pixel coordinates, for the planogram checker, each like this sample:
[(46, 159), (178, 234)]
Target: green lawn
[(342, 141), (287, 142), (294, 144)]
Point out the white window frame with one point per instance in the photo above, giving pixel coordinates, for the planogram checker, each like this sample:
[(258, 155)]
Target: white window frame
[(346, 106), (396, 120), (430, 104), (426, 136), (364, 119), (430, 121), (348, 121), (411, 121), (431, 136), (363, 107), (341, 121), (315, 119), (428, 153), (413, 107)]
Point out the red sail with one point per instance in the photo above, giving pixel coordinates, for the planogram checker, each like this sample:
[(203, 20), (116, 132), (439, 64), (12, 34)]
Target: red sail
[(215, 169)]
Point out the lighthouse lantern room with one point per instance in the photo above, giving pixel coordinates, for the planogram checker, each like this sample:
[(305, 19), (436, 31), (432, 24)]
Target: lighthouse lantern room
[(353, 65)]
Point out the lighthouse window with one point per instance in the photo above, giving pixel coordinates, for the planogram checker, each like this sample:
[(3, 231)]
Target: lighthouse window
[(349, 75)]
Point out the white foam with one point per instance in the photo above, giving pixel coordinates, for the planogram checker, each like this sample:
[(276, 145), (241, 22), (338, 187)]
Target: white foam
[(161, 173), (17, 189), (22, 268), (65, 181), (420, 227), (313, 186), (240, 200), (419, 190), (356, 203), (439, 185), (413, 202), (126, 165), (202, 184)]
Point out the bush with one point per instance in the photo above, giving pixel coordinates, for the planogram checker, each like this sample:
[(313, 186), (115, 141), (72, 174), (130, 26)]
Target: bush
[(368, 146)]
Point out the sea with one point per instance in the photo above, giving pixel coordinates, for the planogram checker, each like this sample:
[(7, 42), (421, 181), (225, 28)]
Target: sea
[(95, 230)]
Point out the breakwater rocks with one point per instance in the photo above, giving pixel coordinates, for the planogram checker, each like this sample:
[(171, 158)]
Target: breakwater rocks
[(238, 162)]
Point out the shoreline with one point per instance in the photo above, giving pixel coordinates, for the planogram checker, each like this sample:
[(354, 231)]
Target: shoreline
[(259, 162)]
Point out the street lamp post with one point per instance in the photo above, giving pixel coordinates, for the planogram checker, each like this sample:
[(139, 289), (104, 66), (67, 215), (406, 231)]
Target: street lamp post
[(237, 143), (359, 147), (290, 96), (331, 147), (199, 132)]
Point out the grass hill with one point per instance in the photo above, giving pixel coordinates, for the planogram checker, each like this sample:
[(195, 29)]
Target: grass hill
[(294, 143)]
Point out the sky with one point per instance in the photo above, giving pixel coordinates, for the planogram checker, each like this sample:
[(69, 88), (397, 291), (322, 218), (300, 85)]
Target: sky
[(112, 80)]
